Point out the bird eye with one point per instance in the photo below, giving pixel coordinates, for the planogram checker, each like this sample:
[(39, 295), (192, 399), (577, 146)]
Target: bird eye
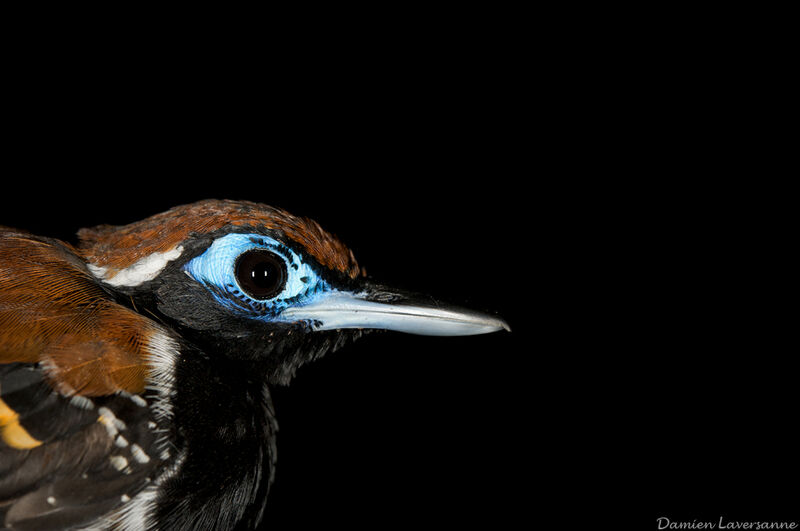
[(255, 275), (261, 274)]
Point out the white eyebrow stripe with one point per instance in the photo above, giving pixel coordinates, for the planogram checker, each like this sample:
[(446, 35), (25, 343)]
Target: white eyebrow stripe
[(142, 271)]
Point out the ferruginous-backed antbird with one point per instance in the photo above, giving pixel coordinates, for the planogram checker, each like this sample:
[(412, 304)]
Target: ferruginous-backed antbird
[(135, 365)]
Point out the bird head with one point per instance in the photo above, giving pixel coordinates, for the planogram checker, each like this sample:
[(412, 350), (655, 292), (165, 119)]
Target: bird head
[(253, 282)]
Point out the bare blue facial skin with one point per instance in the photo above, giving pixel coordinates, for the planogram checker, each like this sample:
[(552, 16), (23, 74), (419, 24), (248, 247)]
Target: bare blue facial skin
[(216, 269)]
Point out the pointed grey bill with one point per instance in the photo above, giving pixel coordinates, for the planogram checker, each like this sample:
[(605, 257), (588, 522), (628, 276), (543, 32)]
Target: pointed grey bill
[(340, 309)]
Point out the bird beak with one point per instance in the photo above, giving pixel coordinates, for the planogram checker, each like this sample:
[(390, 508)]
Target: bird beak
[(389, 310)]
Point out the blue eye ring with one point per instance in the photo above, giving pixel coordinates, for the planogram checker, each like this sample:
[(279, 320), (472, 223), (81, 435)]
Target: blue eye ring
[(260, 274), (216, 270)]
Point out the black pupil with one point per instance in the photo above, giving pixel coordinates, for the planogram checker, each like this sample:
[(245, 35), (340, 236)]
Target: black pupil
[(261, 274)]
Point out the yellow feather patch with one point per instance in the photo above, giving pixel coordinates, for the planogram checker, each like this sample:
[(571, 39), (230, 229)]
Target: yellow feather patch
[(11, 431)]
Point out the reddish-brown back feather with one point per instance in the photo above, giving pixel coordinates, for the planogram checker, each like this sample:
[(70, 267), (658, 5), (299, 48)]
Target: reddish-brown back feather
[(52, 311)]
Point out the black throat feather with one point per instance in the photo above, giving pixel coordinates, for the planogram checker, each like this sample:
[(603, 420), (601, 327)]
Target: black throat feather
[(224, 432)]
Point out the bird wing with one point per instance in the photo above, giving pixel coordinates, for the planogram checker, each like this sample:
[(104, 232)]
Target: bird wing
[(77, 438), (54, 312)]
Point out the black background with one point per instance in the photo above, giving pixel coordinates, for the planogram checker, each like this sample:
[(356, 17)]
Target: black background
[(586, 186)]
